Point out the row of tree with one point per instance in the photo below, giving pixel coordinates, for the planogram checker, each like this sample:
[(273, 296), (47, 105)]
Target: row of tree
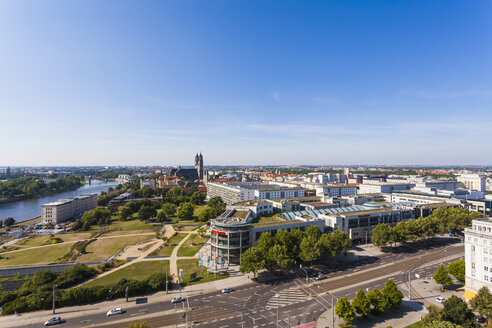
[(290, 247), (456, 268), (33, 186), (36, 294), (441, 221), (375, 302)]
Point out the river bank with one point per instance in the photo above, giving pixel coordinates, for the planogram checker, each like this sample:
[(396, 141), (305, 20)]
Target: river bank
[(30, 208)]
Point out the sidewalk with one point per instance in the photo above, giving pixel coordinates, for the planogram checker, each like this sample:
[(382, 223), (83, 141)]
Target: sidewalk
[(39, 317), (409, 312)]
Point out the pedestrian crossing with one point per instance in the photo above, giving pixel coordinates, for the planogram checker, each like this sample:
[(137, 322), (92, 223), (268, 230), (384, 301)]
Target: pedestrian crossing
[(288, 296)]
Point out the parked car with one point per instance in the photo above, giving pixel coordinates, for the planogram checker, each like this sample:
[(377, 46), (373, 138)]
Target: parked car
[(114, 312), (226, 290), (440, 299), (320, 277), (480, 319), (177, 300), (53, 321)]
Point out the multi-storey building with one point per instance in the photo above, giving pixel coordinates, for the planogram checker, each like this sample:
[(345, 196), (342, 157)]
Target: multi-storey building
[(63, 209), (473, 181), (336, 191), (478, 256), (383, 187)]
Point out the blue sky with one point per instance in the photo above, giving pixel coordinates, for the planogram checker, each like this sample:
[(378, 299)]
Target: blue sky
[(245, 82)]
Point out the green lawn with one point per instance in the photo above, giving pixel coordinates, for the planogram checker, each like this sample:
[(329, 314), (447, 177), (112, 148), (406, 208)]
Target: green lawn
[(130, 225), (138, 271), (190, 266), (170, 245), (417, 324), (41, 255), (192, 245), (44, 240), (198, 209), (104, 248)]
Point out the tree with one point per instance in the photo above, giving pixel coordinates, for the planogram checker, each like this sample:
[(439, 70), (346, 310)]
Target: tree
[(252, 260), (381, 235), (344, 310), (289, 240), (197, 198), (124, 212), (1, 223), (169, 209), (457, 269), (456, 311), (392, 293), (378, 301), (482, 303), (341, 241), (185, 211), (442, 277), (433, 314), (361, 304), (9, 222), (215, 202), (146, 212), (206, 214), (161, 217), (280, 257), (310, 250), (175, 192), (442, 324), (313, 231)]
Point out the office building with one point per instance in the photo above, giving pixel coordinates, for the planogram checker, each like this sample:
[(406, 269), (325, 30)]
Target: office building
[(63, 209)]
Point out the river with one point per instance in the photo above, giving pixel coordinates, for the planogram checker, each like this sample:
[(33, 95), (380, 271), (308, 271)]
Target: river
[(29, 208)]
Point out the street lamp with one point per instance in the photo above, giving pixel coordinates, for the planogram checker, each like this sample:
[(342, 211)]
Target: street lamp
[(300, 265), (54, 290), (277, 296), (333, 308)]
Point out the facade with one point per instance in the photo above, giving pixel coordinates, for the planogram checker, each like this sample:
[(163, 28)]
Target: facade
[(147, 183), (232, 233), (478, 256), (359, 224), (367, 188), (336, 191), (257, 208), (196, 173), (279, 193), (63, 209), (473, 181)]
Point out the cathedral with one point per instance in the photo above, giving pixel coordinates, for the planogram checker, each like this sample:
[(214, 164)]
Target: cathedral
[(191, 174)]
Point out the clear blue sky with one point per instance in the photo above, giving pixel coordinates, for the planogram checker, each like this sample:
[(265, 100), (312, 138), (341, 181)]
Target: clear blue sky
[(245, 82)]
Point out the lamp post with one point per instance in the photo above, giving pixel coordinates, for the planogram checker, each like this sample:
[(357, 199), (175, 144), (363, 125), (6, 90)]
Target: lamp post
[(300, 265), (277, 296), (54, 290), (333, 308)]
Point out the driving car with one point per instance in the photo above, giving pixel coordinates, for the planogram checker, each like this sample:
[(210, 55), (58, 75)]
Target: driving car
[(53, 321), (440, 299), (177, 300), (114, 312), (226, 290), (320, 277)]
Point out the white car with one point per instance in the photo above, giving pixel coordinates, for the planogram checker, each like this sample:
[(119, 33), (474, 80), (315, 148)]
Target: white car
[(440, 299), (226, 290), (114, 312), (177, 300), (53, 321)]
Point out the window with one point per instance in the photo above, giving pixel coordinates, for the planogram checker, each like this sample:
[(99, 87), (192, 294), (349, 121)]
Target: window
[(473, 248), (473, 265), (486, 278), (486, 268)]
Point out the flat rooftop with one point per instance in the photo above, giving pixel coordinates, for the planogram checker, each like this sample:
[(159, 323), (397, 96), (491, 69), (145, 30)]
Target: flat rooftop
[(273, 223), (319, 204)]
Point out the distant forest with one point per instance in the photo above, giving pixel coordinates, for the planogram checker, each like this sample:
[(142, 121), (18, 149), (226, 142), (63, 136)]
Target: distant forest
[(34, 185)]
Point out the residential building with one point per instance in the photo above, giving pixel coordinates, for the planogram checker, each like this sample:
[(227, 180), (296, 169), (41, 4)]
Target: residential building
[(63, 209), (473, 181), (147, 183), (383, 187), (336, 190), (478, 256)]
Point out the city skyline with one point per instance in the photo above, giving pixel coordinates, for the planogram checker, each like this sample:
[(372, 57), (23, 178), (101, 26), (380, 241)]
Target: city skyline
[(277, 83)]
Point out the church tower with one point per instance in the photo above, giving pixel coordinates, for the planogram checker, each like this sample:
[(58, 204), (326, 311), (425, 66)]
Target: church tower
[(199, 165)]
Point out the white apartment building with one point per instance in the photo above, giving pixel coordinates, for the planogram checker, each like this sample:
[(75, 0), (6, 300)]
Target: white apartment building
[(473, 181), (478, 256), (63, 209), (279, 193), (336, 191), (383, 187)]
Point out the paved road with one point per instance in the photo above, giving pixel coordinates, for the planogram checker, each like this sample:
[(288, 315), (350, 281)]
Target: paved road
[(254, 305)]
